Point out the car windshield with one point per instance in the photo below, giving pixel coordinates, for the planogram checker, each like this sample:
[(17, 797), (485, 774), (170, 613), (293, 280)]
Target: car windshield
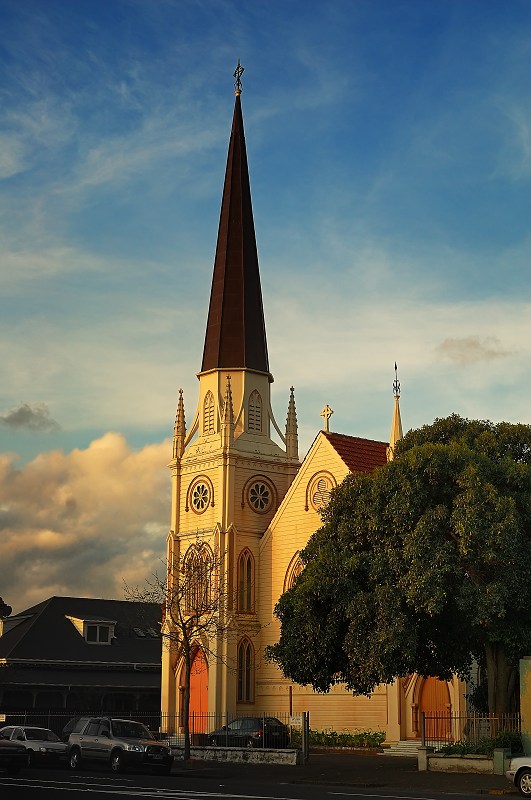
[(130, 730), (41, 735)]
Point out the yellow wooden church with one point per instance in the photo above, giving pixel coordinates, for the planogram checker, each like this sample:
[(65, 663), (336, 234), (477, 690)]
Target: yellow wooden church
[(238, 487)]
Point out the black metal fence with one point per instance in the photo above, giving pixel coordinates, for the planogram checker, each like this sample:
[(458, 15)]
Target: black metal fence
[(235, 730), (473, 731), (57, 720), (215, 729)]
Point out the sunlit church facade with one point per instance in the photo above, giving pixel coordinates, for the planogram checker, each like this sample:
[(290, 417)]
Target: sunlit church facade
[(239, 489)]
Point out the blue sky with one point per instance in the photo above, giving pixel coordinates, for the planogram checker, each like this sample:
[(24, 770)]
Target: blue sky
[(389, 145)]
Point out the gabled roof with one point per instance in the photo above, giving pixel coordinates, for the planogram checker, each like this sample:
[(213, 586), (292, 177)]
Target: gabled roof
[(235, 334), (359, 455), (45, 632)]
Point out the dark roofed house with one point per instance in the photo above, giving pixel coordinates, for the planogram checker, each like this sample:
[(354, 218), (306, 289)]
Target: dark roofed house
[(78, 654)]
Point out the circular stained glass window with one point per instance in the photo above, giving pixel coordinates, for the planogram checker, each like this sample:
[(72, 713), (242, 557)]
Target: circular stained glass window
[(260, 496), (200, 497)]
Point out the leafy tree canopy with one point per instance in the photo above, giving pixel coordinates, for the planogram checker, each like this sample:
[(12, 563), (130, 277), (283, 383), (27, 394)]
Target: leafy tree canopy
[(420, 566)]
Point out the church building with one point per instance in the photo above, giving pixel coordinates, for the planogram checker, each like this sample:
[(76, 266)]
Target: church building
[(240, 490)]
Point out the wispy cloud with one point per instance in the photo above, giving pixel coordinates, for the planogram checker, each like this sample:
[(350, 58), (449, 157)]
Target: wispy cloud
[(34, 417), (12, 160), (471, 350)]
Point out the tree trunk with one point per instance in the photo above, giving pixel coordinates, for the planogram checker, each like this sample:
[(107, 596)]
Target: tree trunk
[(500, 678), (186, 702)]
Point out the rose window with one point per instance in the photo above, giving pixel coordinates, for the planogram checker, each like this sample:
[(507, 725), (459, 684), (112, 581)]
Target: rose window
[(260, 496), (200, 497)]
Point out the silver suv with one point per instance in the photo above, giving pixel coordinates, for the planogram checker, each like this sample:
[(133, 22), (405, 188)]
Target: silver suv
[(121, 743)]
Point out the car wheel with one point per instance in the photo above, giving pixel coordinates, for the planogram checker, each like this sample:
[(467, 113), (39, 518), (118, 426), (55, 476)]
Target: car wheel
[(249, 743), (117, 761), (213, 742), (74, 761), (524, 782)]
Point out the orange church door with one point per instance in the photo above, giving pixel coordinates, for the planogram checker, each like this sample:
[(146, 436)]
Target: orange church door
[(435, 702), (199, 694)]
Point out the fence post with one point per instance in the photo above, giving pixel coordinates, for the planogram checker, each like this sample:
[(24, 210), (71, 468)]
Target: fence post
[(305, 744), (423, 728)]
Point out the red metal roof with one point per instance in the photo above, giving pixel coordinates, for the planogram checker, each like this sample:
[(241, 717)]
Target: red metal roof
[(360, 455)]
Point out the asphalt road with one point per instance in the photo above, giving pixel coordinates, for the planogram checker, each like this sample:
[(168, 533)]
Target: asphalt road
[(329, 776)]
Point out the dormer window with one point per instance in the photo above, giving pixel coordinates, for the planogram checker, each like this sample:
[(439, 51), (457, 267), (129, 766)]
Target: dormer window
[(98, 634), (94, 631)]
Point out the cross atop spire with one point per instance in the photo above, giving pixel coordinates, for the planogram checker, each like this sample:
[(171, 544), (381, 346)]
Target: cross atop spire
[(238, 72)]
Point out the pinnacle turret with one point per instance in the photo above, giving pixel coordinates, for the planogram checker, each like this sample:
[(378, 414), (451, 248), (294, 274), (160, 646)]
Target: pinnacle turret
[(396, 424), (292, 439), (179, 429)]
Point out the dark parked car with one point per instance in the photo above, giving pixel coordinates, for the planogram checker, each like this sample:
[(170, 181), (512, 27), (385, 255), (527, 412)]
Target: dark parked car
[(251, 732), (121, 743), (12, 756), (41, 744)]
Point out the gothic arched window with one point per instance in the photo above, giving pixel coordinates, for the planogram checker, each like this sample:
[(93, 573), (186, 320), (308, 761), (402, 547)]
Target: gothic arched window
[(245, 581), (196, 579), (294, 570), (254, 416), (245, 672), (208, 413)]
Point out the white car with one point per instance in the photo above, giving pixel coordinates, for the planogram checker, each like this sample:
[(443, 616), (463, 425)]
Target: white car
[(519, 773), (42, 745)]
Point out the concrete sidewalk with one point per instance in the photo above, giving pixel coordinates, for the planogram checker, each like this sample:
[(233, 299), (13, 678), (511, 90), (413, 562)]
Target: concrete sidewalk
[(348, 768)]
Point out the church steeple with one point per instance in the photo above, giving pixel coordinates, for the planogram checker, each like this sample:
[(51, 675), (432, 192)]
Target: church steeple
[(235, 334)]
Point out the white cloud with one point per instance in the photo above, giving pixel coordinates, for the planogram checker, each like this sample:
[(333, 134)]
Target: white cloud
[(79, 524)]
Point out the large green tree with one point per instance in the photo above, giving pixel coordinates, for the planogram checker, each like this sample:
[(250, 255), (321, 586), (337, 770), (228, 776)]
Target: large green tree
[(419, 567)]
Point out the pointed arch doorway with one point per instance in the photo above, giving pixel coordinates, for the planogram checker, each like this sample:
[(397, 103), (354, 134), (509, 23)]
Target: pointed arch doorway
[(198, 716), (434, 701)]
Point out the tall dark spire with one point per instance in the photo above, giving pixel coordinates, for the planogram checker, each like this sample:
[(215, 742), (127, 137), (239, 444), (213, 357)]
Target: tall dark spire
[(235, 334)]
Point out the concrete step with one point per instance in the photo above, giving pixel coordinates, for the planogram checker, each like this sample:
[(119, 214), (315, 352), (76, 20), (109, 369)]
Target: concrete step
[(407, 747)]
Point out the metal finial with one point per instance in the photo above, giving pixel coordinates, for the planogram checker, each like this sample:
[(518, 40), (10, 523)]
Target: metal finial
[(238, 72), (396, 383)]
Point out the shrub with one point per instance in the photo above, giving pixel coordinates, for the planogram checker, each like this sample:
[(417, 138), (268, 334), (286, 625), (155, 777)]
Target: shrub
[(486, 745), (329, 738)]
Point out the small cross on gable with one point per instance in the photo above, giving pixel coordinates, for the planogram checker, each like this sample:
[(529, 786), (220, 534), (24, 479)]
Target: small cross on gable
[(326, 413)]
